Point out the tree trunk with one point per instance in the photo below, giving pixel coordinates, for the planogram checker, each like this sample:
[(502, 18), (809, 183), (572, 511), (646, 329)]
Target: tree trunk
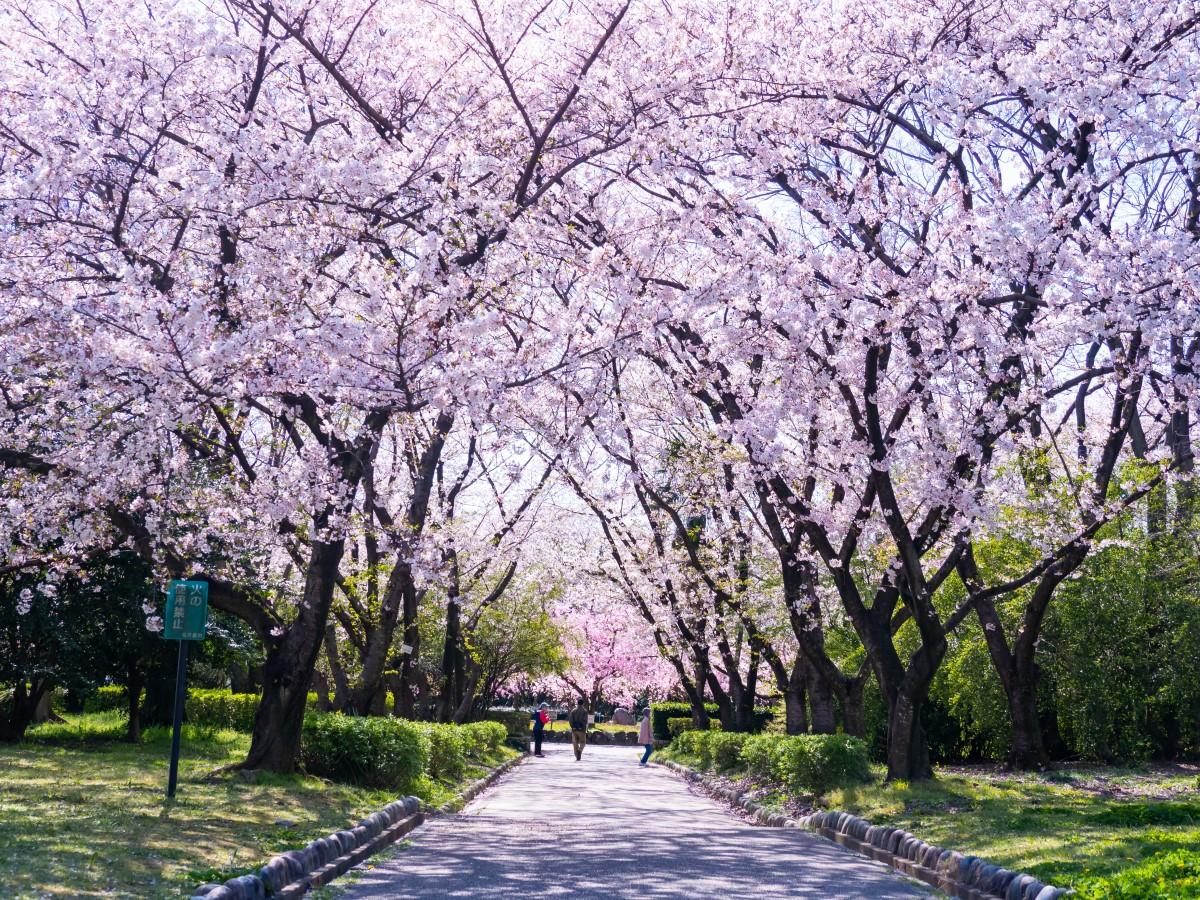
[(341, 684), (133, 727), (907, 749), (820, 697), (795, 700), (854, 716), (1027, 750), (287, 672), (450, 694), (22, 708)]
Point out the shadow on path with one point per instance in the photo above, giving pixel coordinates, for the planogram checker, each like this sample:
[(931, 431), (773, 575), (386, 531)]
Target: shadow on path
[(605, 827)]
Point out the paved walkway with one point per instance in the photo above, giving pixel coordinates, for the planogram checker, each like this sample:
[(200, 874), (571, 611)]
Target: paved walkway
[(605, 827)]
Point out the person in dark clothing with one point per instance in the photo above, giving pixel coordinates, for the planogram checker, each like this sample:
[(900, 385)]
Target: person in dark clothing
[(540, 718), (578, 720)]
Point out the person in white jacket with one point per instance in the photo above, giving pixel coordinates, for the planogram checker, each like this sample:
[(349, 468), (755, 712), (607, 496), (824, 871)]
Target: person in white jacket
[(645, 738)]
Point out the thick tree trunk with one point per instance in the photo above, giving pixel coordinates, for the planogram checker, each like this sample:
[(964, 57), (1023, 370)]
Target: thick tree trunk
[(450, 694), (287, 672), (22, 708), (795, 700), (158, 701), (820, 697), (907, 750), (854, 715), (1027, 750)]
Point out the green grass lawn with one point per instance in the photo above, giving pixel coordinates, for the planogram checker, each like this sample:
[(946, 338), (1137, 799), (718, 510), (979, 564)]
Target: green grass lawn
[(1065, 826), (1062, 826), (84, 815)]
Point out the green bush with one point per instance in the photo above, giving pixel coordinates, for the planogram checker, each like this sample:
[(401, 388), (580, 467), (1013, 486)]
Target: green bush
[(813, 763), (676, 726), (759, 753), (515, 721), (661, 712), (376, 751), (725, 748), (105, 699), (1166, 876), (688, 742), (483, 738), (215, 708), (221, 709), (447, 750)]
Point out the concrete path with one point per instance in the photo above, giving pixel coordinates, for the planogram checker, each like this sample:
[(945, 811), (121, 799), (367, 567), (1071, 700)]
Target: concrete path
[(605, 827)]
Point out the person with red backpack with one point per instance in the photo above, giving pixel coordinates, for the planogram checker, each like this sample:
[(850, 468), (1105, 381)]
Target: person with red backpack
[(540, 718)]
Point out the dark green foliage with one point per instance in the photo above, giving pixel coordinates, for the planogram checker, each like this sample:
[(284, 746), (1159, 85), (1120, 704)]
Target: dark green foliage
[(374, 751), (725, 748), (661, 712), (758, 754), (814, 763), (676, 726), (447, 750), (483, 738), (213, 708), (1166, 876), (516, 721)]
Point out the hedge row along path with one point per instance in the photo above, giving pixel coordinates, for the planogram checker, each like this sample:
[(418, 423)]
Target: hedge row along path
[(605, 827)]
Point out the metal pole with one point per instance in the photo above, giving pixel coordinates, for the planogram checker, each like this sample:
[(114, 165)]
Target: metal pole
[(180, 692)]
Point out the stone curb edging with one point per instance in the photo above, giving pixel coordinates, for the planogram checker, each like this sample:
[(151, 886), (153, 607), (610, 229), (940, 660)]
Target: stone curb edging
[(965, 877), (296, 872), (476, 787)]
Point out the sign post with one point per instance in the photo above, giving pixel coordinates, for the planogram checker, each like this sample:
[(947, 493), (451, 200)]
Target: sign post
[(186, 620)]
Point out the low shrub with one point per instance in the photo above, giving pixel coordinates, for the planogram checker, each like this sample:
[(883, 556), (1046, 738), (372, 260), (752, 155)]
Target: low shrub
[(1166, 876), (376, 751), (661, 712), (105, 699), (214, 708), (725, 748), (759, 753), (688, 742), (221, 709), (447, 750), (676, 726), (516, 721), (813, 763), (483, 738)]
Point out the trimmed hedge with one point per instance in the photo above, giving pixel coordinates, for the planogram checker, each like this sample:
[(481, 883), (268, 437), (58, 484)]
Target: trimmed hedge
[(484, 738), (758, 754), (804, 763), (377, 751), (725, 748), (814, 763), (217, 708), (447, 749), (662, 713), (680, 725)]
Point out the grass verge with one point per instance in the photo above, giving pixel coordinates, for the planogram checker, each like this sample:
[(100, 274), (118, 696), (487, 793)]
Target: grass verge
[(1088, 827), (84, 815)]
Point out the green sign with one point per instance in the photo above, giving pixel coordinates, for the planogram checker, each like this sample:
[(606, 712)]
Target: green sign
[(187, 611)]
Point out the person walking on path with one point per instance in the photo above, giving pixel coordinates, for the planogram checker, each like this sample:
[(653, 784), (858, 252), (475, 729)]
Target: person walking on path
[(540, 718), (645, 738), (578, 720)]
